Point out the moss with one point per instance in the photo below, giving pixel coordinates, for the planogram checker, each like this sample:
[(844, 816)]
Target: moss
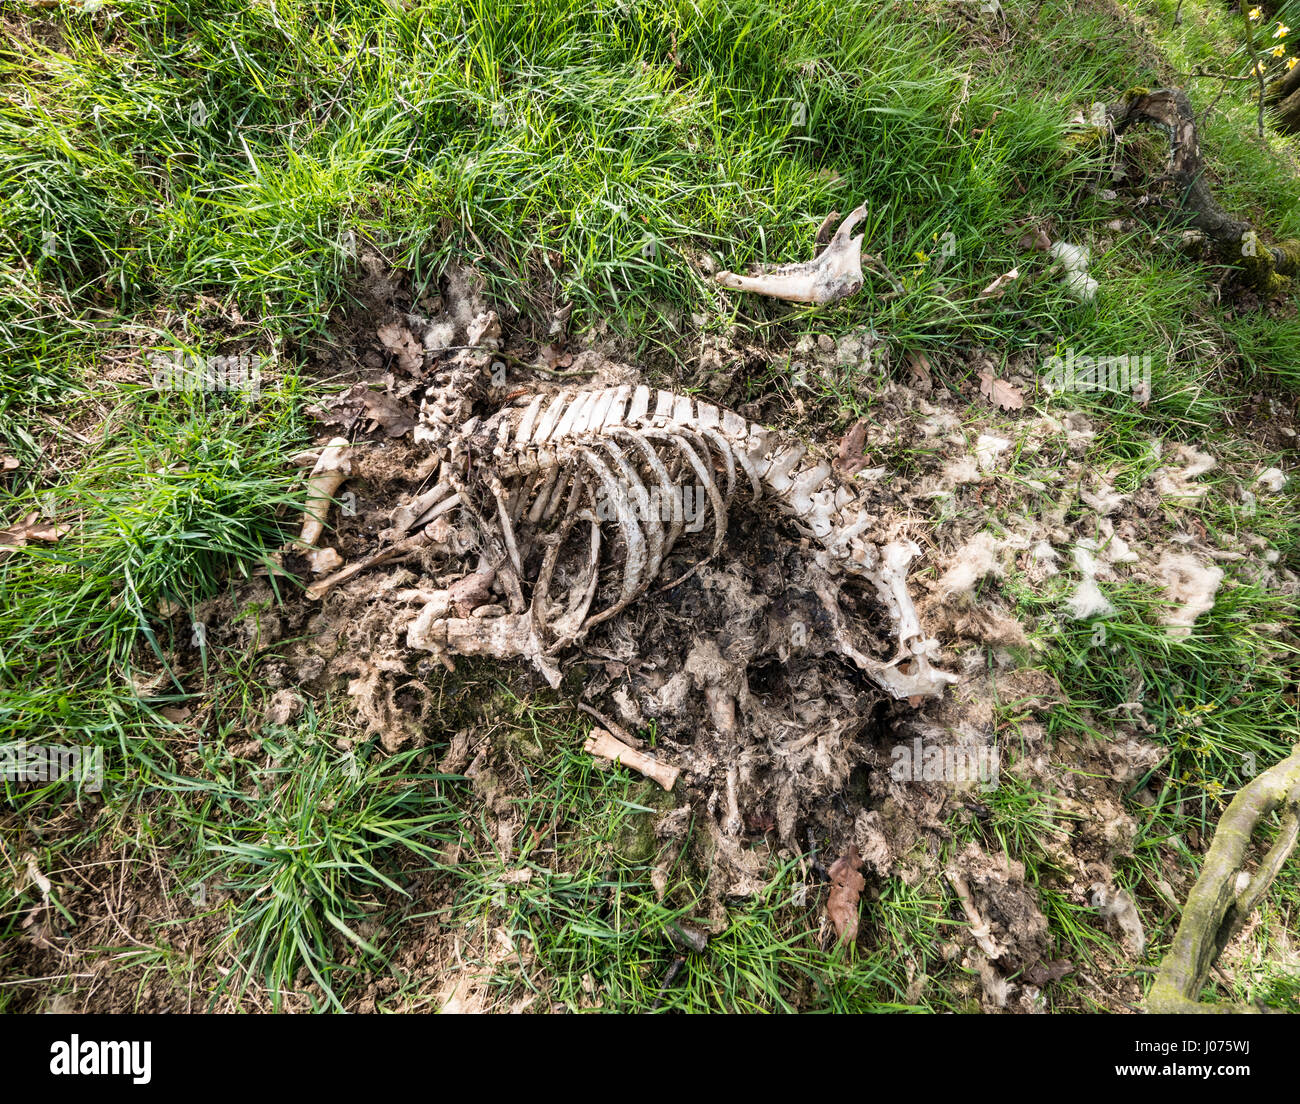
[(1290, 250), (1092, 138), (639, 844), (1261, 270)]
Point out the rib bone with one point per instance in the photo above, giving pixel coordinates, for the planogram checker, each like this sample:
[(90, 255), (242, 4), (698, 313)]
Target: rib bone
[(617, 448)]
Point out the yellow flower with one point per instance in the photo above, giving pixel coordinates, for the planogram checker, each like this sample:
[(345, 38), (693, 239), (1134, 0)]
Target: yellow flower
[(1281, 31), (1290, 63), (1259, 68), (922, 257), (1255, 13), (1278, 51)]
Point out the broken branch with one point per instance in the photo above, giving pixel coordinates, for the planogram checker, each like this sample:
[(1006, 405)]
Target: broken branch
[(1264, 267)]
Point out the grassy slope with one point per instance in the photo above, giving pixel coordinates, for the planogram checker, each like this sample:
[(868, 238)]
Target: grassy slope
[(195, 176)]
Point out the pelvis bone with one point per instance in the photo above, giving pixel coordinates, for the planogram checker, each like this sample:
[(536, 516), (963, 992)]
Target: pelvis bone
[(834, 274), (558, 486)]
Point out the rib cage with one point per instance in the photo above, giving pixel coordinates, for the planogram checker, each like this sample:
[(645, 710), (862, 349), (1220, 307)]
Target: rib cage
[(535, 470)]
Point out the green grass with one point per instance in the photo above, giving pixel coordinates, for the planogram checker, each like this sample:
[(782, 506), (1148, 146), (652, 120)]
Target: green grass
[(202, 177)]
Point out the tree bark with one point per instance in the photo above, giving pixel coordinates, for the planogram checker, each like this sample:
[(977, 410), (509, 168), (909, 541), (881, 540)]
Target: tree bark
[(1266, 268), (1215, 911)]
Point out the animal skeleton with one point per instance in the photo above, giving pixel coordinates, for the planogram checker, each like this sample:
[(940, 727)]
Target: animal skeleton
[(545, 467)]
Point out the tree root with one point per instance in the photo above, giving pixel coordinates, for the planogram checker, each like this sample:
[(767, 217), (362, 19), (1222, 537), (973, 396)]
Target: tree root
[(1265, 268), (1215, 912)]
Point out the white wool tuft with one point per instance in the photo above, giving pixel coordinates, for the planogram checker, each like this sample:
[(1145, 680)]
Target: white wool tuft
[(1177, 483), (987, 450), (1087, 601), (970, 563), (1191, 586), (1074, 259), (1272, 479), (1105, 500)]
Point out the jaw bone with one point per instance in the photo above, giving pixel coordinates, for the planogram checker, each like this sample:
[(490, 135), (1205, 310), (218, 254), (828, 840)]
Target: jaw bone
[(835, 273)]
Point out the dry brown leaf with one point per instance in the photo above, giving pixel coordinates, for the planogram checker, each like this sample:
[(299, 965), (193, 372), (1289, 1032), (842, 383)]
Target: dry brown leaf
[(32, 528), (394, 417), (918, 368), (342, 410), (1035, 239), (847, 885), (555, 357), (8, 463), (1001, 394), (998, 286), (848, 458), (399, 341)]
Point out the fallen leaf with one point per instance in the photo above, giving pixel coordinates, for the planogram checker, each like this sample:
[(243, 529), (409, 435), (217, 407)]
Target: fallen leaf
[(399, 341), (8, 463), (687, 937), (32, 528), (555, 357), (1001, 394), (394, 417), (918, 367), (342, 410), (1035, 239), (50, 532), (1041, 973), (847, 885), (848, 458), (998, 286)]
